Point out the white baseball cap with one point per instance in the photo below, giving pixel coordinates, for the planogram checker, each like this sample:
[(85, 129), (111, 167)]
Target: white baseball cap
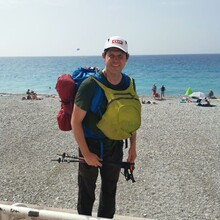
[(117, 42)]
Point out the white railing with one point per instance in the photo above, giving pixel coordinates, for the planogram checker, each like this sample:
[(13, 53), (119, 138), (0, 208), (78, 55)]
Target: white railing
[(9, 212)]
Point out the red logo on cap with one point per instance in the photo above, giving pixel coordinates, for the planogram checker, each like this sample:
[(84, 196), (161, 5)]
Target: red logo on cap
[(117, 41)]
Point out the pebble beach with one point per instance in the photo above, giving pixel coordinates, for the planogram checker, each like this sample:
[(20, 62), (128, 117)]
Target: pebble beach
[(177, 170)]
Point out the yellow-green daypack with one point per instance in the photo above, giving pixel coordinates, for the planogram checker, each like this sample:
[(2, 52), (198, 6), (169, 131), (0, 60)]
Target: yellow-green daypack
[(123, 115)]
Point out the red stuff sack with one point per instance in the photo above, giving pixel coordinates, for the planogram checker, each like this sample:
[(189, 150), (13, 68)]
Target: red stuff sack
[(65, 87)]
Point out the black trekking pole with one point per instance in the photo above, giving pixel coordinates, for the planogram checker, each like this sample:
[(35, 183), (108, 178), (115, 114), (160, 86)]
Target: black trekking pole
[(128, 167), (64, 157)]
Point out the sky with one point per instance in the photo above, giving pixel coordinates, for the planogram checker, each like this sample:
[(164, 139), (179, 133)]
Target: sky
[(59, 27)]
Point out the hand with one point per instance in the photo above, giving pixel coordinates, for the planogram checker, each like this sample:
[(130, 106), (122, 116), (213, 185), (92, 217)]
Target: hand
[(92, 160), (132, 155)]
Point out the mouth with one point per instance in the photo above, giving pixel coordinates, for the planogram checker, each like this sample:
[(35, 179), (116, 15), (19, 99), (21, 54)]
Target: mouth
[(115, 65)]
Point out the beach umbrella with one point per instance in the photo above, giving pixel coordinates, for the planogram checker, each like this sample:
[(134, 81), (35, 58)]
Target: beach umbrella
[(188, 91), (198, 95)]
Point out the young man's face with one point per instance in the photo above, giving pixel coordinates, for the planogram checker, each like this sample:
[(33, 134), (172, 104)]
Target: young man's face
[(115, 60)]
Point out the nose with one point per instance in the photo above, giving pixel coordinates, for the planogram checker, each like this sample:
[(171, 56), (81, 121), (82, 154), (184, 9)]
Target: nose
[(115, 58)]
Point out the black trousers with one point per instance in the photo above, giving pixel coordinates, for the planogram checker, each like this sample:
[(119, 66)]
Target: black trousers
[(87, 177)]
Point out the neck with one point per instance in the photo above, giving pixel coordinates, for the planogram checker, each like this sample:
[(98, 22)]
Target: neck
[(113, 78)]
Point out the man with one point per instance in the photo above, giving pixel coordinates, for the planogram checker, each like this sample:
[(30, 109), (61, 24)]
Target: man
[(162, 90), (94, 150), (211, 94)]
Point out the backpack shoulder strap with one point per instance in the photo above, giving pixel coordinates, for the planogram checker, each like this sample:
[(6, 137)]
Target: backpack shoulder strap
[(99, 95)]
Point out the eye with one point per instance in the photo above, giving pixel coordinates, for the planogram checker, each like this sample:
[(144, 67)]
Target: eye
[(120, 56), (111, 56)]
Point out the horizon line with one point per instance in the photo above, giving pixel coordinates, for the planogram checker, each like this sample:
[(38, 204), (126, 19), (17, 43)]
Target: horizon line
[(171, 54)]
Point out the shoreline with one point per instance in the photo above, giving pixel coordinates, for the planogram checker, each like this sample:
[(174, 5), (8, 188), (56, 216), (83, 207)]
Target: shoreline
[(177, 170), (178, 97), (140, 96)]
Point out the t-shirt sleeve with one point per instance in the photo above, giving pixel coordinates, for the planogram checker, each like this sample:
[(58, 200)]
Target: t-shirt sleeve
[(85, 94)]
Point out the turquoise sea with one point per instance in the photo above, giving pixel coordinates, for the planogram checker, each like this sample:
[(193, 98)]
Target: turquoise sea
[(176, 72)]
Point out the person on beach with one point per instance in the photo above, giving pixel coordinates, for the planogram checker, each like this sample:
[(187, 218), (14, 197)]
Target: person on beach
[(28, 94), (154, 89), (94, 150), (162, 91), (207, 102), (31, 95), (211, 94)]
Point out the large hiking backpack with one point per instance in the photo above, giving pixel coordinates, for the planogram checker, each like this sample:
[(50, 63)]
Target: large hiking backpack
[(67, 86), (123, 114)]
